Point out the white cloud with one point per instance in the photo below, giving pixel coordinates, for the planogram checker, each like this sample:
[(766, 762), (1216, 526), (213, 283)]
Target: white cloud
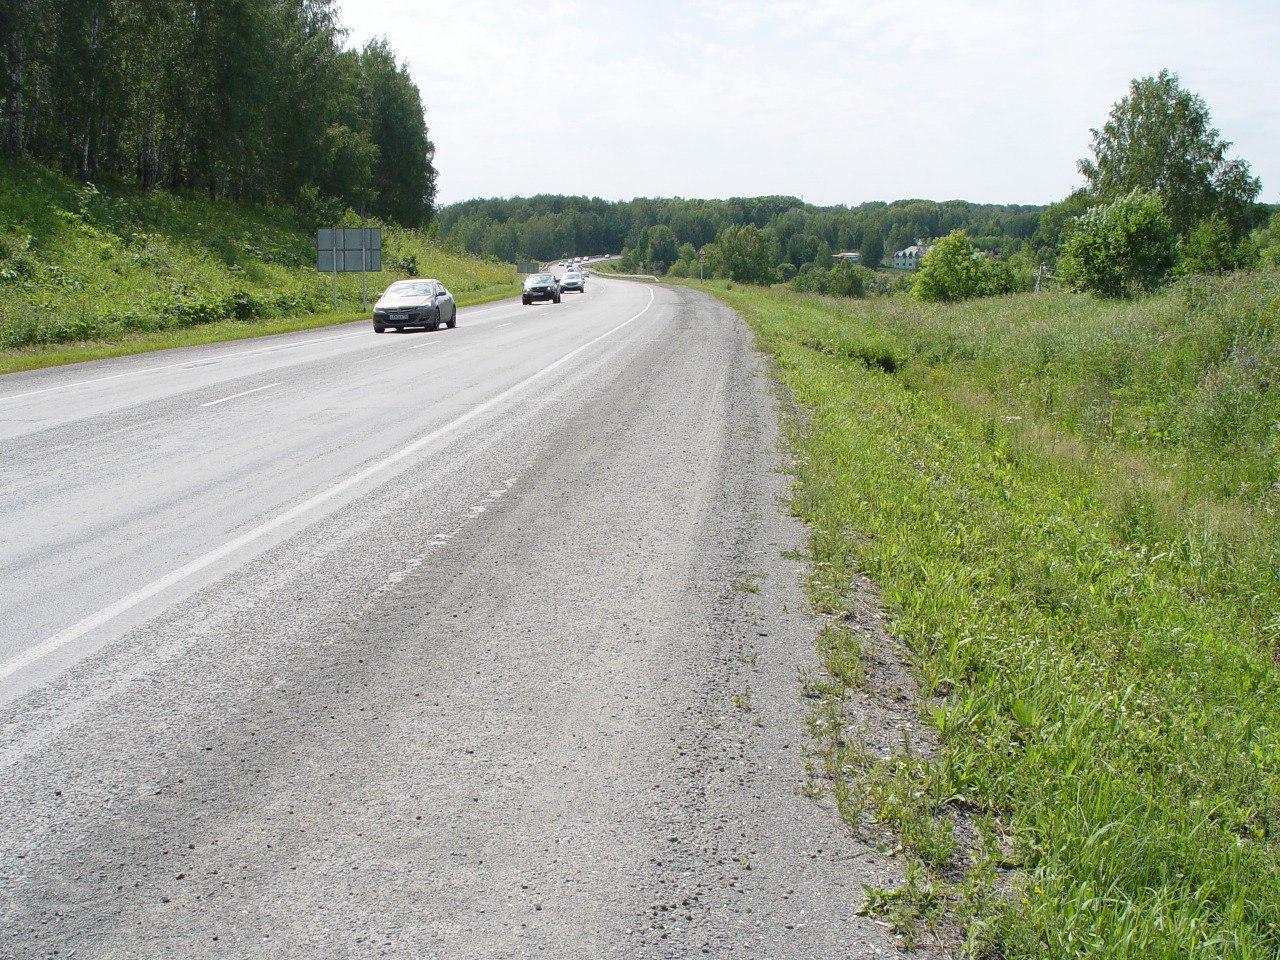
[(838, 102)]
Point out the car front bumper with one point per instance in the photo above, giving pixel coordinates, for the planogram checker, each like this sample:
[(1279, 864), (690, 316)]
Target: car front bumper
[(403, 318)]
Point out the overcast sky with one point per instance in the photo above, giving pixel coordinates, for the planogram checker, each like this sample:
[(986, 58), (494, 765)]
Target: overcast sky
[(838, 102)]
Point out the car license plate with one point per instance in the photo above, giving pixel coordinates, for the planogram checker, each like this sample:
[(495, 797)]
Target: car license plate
[(399, 316)]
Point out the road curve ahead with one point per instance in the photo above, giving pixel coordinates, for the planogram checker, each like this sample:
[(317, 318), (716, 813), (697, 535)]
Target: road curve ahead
[(422, 645)]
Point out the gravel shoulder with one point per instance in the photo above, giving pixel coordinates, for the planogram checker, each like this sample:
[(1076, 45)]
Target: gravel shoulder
[(565, 722)]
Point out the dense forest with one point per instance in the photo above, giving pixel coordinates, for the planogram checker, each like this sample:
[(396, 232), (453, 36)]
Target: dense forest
[(663, 232), (253, 100)]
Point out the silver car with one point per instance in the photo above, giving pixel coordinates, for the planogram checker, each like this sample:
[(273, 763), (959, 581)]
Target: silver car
[(415, 303), (573, 280)]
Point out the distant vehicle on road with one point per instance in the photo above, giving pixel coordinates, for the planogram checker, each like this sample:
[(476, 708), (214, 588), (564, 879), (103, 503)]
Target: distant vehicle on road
[(415, 303), (573, 280), (540, 286)]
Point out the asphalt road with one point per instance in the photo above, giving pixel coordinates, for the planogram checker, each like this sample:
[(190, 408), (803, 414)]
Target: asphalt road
[(333, 644)]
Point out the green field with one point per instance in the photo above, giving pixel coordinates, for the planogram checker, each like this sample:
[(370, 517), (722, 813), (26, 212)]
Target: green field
[(91, 271), (1069, 509)]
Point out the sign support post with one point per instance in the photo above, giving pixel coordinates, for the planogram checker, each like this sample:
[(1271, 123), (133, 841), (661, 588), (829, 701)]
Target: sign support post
[(364, 265)]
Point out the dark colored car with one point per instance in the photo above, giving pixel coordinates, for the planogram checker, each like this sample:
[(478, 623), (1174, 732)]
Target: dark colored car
[(573, 280), (540, 286), (414, 303)]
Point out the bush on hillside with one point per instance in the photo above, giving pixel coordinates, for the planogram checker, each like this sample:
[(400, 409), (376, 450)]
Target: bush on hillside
[(1120, 248), (953, 270), (845, 279), (1210, 248)]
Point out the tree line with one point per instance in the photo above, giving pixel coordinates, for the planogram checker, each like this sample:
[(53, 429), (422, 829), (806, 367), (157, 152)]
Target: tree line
[(1162, 198), (254, 100), (665, 233)]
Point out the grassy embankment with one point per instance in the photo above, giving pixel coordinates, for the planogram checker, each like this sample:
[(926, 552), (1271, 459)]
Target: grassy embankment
[(88, 273), (1070, 509)]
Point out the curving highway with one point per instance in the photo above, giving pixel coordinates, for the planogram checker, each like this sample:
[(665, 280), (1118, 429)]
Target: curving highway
[(333, 644)]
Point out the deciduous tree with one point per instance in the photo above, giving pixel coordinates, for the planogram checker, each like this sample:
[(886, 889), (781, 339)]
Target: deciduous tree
[(1159, 140)]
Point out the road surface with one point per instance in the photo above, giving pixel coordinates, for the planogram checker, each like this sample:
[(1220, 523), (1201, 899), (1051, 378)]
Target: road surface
[(479, 643)]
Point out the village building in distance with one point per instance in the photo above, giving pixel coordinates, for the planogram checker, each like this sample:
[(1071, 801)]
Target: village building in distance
[(909, 257)]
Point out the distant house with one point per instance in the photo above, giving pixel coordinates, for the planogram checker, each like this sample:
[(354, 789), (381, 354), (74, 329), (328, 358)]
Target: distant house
[(909, 258), (853, 256)]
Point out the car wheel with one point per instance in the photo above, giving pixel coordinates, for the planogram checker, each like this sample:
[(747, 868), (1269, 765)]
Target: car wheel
[(453, 320), (379, 328), (525, 301)]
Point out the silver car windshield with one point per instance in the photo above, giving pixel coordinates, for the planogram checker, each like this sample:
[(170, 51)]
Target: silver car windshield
[(409, 290), (542, 278)]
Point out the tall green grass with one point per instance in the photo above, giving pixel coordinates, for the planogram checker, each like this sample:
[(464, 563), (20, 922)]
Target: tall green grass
[(79, 263), (1069, 508)]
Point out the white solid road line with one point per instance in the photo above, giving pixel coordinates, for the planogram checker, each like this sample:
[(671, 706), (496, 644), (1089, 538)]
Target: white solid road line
[(141, 595), (236, 396), (184, 363)]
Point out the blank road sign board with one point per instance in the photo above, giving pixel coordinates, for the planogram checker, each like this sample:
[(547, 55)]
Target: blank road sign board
[(349, 249)]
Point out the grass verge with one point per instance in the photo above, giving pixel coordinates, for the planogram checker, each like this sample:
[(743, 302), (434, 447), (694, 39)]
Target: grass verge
[(89, 272), (1092, 615)]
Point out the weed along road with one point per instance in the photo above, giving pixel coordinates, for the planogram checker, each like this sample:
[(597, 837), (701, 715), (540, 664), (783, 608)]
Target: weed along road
[(477, 643)]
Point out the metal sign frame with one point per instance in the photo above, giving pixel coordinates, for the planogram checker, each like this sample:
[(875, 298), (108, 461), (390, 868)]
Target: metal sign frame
[(349, 250)]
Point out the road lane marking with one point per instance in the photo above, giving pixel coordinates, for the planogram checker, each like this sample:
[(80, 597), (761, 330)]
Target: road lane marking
[(507, 324), (237, 396), (378, 357), (171, 366), (464, 314), (77, 630), (426, 344), (102, 436)]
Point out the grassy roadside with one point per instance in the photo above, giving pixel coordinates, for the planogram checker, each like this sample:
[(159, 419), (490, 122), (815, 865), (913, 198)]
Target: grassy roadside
[(32, 358), (1081, 566), (89, 272)]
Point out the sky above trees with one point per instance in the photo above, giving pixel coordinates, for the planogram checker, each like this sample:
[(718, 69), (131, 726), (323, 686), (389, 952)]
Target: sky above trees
[(990, 101)]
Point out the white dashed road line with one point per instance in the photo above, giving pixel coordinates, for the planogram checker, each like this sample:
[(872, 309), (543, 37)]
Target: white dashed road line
[(359, 479), (245, 393), (185, 363)]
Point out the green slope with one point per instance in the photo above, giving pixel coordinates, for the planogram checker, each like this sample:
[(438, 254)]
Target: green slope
[(91, 271)]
